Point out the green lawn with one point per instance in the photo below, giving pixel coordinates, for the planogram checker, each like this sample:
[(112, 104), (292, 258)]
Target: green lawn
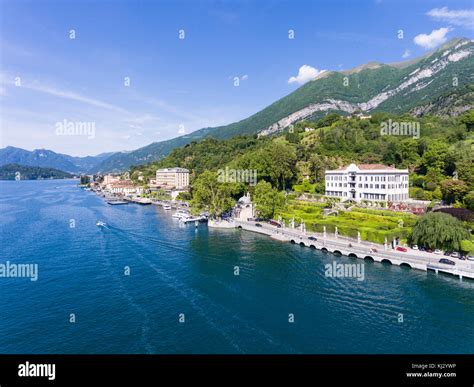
[(374, 225)]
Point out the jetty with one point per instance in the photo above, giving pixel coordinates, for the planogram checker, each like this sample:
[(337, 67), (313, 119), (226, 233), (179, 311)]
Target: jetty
[(352, 248)]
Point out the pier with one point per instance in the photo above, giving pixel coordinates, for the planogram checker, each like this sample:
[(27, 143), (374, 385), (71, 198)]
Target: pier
[(352, 248)]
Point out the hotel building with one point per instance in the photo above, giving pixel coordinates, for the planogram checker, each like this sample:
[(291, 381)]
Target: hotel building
[(375, 182), (176, 178)]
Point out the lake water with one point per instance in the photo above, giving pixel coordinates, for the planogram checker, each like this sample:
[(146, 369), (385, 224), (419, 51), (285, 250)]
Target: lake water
[(182, 271)]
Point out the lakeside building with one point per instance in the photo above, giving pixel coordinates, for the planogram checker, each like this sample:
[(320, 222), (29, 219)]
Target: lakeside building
[(376, 182), (108, 179), (244, 209), (124, 187), (172, 178)]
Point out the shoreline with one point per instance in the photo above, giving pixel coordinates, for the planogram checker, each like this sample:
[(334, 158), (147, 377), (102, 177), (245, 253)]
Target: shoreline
[(346, 246), (351, 248)]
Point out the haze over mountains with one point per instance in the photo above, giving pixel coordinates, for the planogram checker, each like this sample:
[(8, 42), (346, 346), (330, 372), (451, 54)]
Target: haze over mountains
[(48, 159), (440, 82)]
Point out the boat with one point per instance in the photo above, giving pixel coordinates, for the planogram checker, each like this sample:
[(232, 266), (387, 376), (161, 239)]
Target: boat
[(180, 214), (166, 207), (101, 224), (116, 202), (142, 201), (190, 219)]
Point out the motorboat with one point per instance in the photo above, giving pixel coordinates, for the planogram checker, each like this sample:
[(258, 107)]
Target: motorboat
[(190, 219), (180, 214)]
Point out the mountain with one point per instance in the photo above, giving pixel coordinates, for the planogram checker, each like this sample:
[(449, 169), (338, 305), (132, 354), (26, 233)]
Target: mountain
[(48, 159), (22, 172), (439, 82)]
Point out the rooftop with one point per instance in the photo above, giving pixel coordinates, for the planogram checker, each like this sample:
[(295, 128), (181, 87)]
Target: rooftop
[(175, 169), (367, 167)]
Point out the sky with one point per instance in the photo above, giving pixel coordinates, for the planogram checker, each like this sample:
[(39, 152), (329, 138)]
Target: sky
[(86, 77)]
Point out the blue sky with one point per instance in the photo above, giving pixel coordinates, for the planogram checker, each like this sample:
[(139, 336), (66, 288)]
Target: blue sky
[(181, 85)]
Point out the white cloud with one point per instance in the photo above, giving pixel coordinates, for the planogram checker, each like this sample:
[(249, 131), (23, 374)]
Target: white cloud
[(306, 73), (432, 40), (460, 17), (406, 54)]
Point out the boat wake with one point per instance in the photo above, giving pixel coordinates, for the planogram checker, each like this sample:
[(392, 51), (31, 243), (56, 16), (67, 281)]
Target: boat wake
[(144, 237)]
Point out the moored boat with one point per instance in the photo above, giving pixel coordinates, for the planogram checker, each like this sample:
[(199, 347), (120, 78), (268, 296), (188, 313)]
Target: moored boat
[(180, 214), (116, 202)]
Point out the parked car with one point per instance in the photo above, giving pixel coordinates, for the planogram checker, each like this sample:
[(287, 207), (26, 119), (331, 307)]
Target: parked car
[(446, 261), (258, 225), (274, 223), (455, 254), (438, 252), (312, 238), (402, 249), (414, 247), (470, 257)]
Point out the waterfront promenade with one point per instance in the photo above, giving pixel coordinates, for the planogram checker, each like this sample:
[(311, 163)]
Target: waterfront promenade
[(331, 243)]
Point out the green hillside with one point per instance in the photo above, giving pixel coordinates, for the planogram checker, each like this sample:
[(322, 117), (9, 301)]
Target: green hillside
[(431, 85), (23, 172), (445, 146)]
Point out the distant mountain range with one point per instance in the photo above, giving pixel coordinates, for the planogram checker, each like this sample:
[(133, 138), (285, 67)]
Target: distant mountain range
[(21, 172), (440, 82), (48, 159)]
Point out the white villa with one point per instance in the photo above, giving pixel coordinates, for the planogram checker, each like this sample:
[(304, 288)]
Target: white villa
[(172, 178), (375, 182), (244, 210)]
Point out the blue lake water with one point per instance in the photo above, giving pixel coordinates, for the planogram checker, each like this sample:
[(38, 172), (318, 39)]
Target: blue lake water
[(176, 269)]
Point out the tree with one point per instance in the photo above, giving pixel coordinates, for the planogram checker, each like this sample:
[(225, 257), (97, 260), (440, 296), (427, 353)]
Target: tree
[(283, 163), (453, 190), (469, 201), (85, 179), (464, 164), (468, 120), (433, 162), (436, 230), (212, 196), (467, 246), (275, 163), (267, 200)]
